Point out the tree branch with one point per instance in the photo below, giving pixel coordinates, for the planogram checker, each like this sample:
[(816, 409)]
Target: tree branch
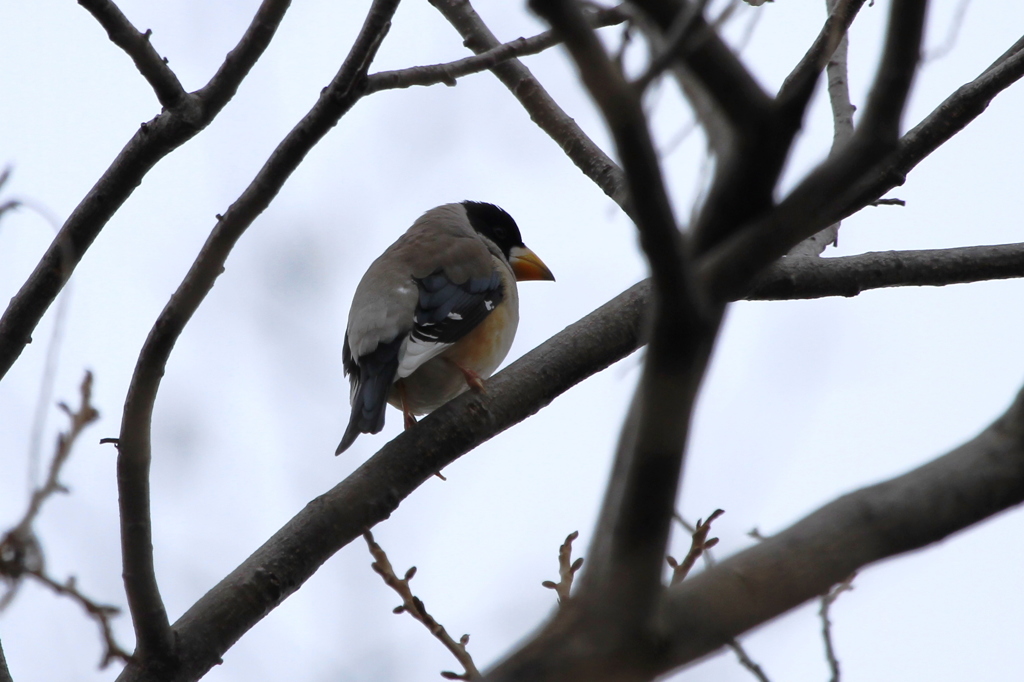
[(5, 673), (804, 277), (154, 140), (101, 613), (827, 600), (372, 492), (153, 632), (448, 73), (971, 483), (624, 571), (567, 569), (150, 64), (842, 125), (543, 110), (800, 82), (412, 605), (738, 95), (814, 204)]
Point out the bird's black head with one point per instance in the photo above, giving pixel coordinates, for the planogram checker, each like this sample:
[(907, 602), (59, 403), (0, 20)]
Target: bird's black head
[(493, 223)]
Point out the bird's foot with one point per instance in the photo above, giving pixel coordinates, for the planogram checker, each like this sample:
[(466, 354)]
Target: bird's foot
[(473, 379), (410, 419)]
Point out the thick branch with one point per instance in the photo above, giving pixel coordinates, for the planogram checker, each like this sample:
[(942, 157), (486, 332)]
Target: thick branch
[(799, 84), (808, 277), (155, 140), (543, 110), (971, 483), (153, 632), (624, 572), (742, 101), (376, 488), (150, 64), (5, 673)]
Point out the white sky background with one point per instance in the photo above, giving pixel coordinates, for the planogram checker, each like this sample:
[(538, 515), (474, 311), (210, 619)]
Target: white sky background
[(804, 401)]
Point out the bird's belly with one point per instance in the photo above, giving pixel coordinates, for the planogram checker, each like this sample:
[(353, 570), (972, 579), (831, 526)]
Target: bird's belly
[(439, 379)]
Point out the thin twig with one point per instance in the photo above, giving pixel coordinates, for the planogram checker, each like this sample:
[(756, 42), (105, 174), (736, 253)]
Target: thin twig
[(80, 418), (746, 661), (699, 545), (952, 33), (741, 653), (101, 613), (827, 600), (412, 605), (21, 552), (150, 64), (449, 72), (566, 570)]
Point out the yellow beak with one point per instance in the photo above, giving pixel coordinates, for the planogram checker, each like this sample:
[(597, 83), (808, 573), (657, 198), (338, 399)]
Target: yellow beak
[(527, 266)]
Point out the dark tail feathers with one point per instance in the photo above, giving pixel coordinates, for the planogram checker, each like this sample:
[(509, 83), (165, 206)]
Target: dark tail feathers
[(372, 376)]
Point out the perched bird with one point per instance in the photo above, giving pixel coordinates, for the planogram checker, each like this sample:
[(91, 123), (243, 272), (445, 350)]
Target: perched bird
[(435, 313)]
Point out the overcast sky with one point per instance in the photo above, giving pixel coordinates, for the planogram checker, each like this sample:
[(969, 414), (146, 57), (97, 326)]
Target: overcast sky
[(804, 400)]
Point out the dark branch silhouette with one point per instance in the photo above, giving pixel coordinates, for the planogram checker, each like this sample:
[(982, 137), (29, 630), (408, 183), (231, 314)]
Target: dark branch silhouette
[(156, 139), (153, 632)]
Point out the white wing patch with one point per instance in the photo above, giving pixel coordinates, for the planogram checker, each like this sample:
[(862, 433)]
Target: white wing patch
[(415, 353)]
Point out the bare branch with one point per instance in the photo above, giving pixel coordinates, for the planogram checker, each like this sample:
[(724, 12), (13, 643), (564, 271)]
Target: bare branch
[(625, 565), (814, 203), (5, 673), (80, 418), (947, 45), (150, 64), (448, 73), (699, 544), (800, 83), (21, 553), (842, 125), (153, 631), (219, 90), (803, 277), (154, 140), (412, 605), (827, 600), (741, 99), (746, 661), (373, 492), (101, 613), (566, 570), (945, 121), (980, 478), (543, 110)]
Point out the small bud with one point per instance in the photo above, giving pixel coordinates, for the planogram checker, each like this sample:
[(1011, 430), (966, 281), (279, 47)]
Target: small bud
[(464, 640), (398, 609), (550, 585), (410, 573), (577, 564)]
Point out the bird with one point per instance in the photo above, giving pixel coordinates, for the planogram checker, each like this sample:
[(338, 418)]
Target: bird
[(435, 314)]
